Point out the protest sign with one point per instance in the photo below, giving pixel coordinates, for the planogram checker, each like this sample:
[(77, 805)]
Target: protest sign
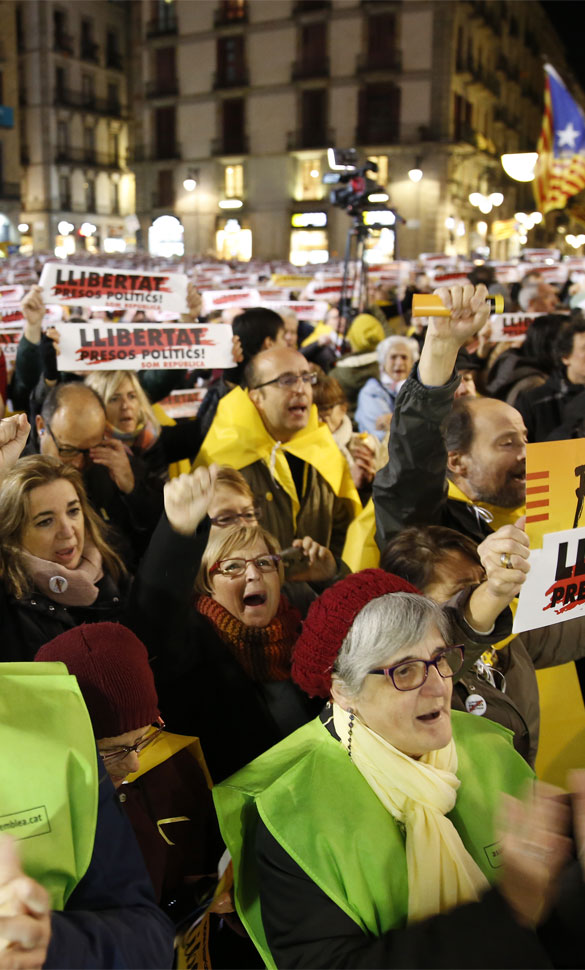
[(11, 294), (183, 403), (555, 523), (511, 326), (105, 346), (305, 310), (218, 299), (112, 288)]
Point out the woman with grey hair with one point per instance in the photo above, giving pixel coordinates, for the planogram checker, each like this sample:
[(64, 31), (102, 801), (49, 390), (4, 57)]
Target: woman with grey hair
[(368, 838), (376, 400)]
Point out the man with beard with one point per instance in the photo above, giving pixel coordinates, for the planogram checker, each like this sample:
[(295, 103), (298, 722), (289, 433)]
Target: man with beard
[(459, 465)]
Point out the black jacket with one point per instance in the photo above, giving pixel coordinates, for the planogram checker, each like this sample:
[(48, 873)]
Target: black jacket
[(28, 623), (111, 919), (202, 688), (543, 407), (412, 489)]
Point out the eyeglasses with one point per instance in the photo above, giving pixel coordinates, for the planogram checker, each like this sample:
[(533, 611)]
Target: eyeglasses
[(119, 754), (288, 381), (237, 567), (413, 673), (249, 517), (68, 451)]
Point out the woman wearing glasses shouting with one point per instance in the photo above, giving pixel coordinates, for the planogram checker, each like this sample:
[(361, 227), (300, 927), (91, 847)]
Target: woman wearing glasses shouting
[(391, 831)]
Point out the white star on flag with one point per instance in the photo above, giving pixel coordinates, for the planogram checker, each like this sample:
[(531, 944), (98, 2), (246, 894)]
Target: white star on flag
[(567, 136)]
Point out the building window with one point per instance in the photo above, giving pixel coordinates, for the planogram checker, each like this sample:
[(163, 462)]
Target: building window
[(89, 144), (313, 118), (462, 118), (90, 195), (231, 12), (62, 138), (113, 58), (381, 49), (60, 84), (61, 39), (165, 70), (379, 114), (88, 90), (382, 176), (166, 188), (165, 132), (308, 246), (114, 204), (234, 181), (233, 242), (231, 69), (309, 185), (114, 98), (89, 49), (114, 147), (233, 139), (64, 192), (312, 60)]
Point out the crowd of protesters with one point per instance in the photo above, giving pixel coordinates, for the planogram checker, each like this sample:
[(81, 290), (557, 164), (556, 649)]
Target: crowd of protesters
[(285, 626)]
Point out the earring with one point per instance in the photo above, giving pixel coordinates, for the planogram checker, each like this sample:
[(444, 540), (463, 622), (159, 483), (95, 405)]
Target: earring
[(350, 731)]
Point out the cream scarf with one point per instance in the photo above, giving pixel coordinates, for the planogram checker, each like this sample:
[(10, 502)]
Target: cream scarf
[(418, 794), (68, 587)]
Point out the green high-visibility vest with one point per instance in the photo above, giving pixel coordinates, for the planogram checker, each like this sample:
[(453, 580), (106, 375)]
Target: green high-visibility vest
[(324, 814), (48, 774)]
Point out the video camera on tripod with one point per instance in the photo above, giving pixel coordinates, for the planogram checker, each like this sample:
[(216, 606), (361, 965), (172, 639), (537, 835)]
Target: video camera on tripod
[(355, 186)]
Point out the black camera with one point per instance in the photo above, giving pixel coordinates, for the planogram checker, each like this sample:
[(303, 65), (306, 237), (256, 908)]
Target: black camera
[(354, 183)]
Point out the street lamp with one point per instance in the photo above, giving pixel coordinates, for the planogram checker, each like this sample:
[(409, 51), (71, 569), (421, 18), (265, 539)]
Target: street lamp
[(520, 165)]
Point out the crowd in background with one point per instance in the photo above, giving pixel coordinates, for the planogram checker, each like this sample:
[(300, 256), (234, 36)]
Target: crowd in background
[(269, 611)]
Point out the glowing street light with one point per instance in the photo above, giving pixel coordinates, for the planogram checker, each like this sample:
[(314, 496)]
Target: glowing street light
[(520, 165)]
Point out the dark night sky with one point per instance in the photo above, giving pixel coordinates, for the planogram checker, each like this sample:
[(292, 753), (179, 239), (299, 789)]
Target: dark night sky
[(565, 16)]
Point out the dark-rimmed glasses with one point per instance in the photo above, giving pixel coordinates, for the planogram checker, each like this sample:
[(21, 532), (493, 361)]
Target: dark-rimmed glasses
[(68, 451), (412, 673), (249, 517), (237, 567), (119, 754), (288, 381)]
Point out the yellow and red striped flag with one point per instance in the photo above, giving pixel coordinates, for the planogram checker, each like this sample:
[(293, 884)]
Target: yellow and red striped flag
[(560, 170)]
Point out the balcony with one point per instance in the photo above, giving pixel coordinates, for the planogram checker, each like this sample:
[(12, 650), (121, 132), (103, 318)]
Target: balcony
[(465, 133), (307, 137), (86, 156), (310, 6), (222, 79), (157, 153), (464, 67), (63, 43), (377, 135), (306, 68), (162, 89), (88, 102), (114, 60), (164, 25), (225, 16), (230, 144), (9, 190), (90, 52), (390, 60)]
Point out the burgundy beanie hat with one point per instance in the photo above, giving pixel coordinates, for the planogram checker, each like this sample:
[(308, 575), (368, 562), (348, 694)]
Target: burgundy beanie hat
[(113, 673), (328, 621)]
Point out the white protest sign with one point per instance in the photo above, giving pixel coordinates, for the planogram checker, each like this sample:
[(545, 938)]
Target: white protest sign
[(107, 288), (11, 294), (555, 586), (105, 346), (511, 326), (218, 299), (306, 310)]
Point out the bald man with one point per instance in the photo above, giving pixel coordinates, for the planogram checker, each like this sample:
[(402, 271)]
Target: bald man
[(72, 427)]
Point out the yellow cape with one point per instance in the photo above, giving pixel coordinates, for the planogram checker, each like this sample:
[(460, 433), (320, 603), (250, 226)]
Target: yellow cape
[(238, 438)]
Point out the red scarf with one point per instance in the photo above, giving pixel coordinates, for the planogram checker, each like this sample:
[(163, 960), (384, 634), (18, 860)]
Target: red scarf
[(264, 653)]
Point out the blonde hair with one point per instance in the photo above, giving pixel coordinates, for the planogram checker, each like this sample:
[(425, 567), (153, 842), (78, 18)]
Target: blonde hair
[(106, 383), (224, 542), (16, 486), (228, 477)]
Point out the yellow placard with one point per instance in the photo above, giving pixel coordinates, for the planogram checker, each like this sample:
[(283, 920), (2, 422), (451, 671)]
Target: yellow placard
[(555, 475)]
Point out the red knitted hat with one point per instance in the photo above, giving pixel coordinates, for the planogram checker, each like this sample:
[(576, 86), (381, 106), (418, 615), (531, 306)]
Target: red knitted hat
[(113, 673), (328, 622)]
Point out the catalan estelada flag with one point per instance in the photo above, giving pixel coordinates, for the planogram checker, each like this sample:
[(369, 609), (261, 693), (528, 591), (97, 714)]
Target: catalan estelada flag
[(560, 170)]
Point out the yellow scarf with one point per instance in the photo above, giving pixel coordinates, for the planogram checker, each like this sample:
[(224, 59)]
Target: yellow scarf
[(499, 515), (419, 794), (237, 437)]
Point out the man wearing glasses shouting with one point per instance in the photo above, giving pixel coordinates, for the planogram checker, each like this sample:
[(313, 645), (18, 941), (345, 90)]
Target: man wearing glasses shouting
[(272, 435)]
